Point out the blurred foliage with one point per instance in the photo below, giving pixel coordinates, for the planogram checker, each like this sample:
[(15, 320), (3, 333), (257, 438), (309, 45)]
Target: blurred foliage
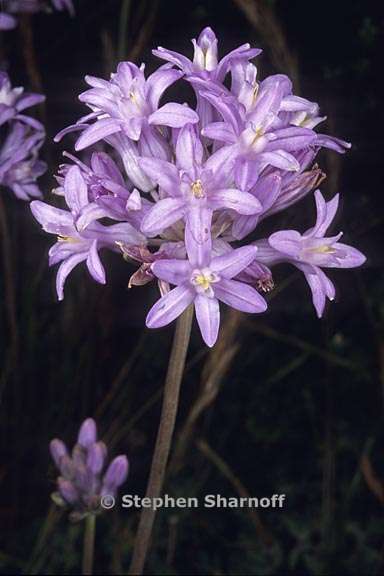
[(301, 403)]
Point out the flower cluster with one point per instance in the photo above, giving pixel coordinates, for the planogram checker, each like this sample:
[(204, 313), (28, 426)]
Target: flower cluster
[(83, 480), (189, 186), (21, 138), (9, 8)]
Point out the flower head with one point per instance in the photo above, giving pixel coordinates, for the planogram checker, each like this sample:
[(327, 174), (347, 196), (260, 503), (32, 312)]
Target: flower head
[(203, 281), (188, 186), (312, 251), (72, 246), (19, 162), (13, 102), (21, 137), (85, 476)]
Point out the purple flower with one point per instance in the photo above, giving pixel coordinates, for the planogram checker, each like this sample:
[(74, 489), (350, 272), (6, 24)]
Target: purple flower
[(84, 477), (19, 163), (186, 186), (109, 196), (206, 65), (204, 281), (205, 59), (21, 138), (312, 251), (10, 7), (259, 138), (72, 246), (7, 22), (194, 189), (259, 129), (13, 101), (146, 258), (277, 190), (128, 106)]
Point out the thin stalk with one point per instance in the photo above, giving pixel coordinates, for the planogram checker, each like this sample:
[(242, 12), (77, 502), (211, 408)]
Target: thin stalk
[(123, 29), (29, 52), (164, 437), (89, 544), (9, 281)]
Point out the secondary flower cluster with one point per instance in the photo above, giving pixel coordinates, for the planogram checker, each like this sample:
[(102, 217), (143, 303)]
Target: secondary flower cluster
[(83, 480), (21, 138), (189, 186), (9, 8)]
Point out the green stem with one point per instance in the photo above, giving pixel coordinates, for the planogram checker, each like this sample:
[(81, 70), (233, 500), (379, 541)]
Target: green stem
[(89, 544), (164, 438)]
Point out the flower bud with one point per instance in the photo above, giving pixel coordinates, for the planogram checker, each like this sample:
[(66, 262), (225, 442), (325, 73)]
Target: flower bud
[(96, 456), (58, 450), (83, 478), (82, 483), (116, 473), (79, 455), (67, 490), (134, 201), (87, 433), (66, 467)]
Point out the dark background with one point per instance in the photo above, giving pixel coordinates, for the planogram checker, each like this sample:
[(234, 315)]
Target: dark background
[(285, 403)]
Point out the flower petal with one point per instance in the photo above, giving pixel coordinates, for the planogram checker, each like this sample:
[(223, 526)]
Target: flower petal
[(332, 143), (240, 296), (75, 189), (178, 59), (208, 318), (320, 285), (280, 159), (229, 265), (292, 139), (244, 225), (65, 269), (28, 100), (198, 221), (326, 212), (162, 215), (246, 172), (153, 144), (287, 242), (158, 82), (95, 267), (352, 258), (7, 22), (170, 306), (230, 198), (189, 150), (130, 157), (173, 115), (219, 131), (199, 253), (53, 220), (172, 271), (97, 131), (90, 213), (163, 173)]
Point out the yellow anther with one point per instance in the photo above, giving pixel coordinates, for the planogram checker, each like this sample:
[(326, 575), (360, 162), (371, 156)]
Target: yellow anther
[(66, 239), (203, 281), (255, 92), (323, 249), (132, 97), (258, 132), (197, 189)]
